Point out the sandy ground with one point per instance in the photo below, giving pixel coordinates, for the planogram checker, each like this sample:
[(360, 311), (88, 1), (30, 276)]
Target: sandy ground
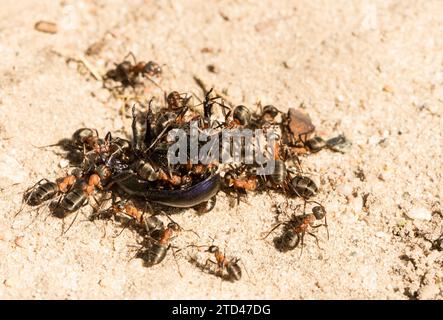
[(372, 70)]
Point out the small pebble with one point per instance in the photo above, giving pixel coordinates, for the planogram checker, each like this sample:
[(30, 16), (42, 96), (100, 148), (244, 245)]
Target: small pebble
[(7, 283), (46, 26), (381, 235), (419, 213), (19, 241), (5, 234), (428, 292), (11, 169), (388, 88), (345, 190), (212, 68), (63, 163), (373, 140), (357, 205)]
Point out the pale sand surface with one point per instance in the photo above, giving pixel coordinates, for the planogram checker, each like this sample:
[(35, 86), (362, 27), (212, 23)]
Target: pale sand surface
[(372, 70)]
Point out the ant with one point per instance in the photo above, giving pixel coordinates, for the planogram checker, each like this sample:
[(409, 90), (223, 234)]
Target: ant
[(296, 228), (78, 196), (281, 174), (227, 269), (334, 144), (208, 106), (267, 116), (159, 239), (177, 101), (269, 113), (147, 171), (42, 192), (128, 209), (88, 139), (245, 182), (45, 190), (241, 116), (127, 73), (156, 253), (241, 181)]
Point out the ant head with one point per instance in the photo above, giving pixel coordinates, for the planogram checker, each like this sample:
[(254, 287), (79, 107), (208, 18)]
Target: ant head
[(319, 212), (108, 137), (241, 114), (212, 249), (173, 226), (270, 110), (77, 172), (152, 68), (82, 134), (228, 177), (103, 171), (118, 205)]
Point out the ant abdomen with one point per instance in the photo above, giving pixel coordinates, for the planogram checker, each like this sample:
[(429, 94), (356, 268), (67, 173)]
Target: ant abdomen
[(280, 172), (42, 193), (289, 240), (155, 254), (234, 271), (304, 186)]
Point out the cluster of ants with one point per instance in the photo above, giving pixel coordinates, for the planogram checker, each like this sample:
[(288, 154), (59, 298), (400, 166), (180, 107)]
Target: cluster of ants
[(136, 173)]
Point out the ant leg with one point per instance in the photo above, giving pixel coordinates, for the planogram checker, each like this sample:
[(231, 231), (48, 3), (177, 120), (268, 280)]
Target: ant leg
[(326, 225), (186, 230), (148, 134), (123, 229), (244, 267), (95, 209), (140, 249), (147, 208), (155, 83), (201, 84), (316, 239), (158, 137), (322, 225), (304, 205), (134, 130), (175, 259), (303, 141), (275, 227), (36, 215), (196, 246), (130, 54), (301, 238), (208, 260), (70, 225)]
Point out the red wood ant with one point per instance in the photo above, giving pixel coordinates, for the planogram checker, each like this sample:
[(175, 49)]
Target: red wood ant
[(45, 190), (127, 73), (159, 239), (296, 228), (227, 269)]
